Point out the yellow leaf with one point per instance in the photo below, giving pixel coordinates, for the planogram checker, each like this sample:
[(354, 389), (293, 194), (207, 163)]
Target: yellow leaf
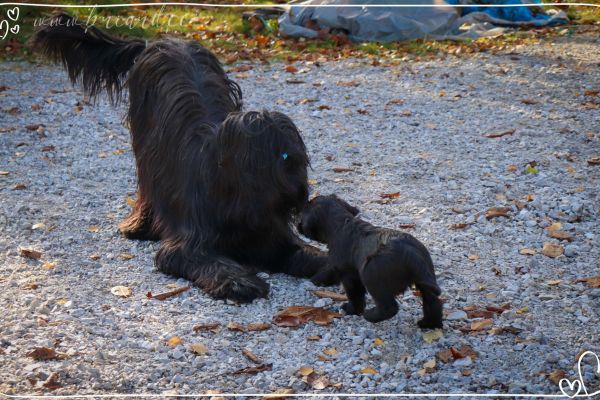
[(174, 341), (126, 256), (432, 336), (61, 302), (554, 227), (93, 228), (198, 348), (312, 181), (49, 265), (473, 257), (552, 250), (553, 282), (330, 351), (130, 202), (368, 370), (481, 324), (527, 252), (121, 291), (523, 310), (378, 342), (305, 371), (429, 364)]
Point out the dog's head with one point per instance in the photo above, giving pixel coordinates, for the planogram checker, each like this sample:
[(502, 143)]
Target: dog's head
[(262, 155), (324, 214)]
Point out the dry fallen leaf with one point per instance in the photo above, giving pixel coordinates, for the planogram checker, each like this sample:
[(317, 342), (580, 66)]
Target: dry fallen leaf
[(561, 235), (93, 228), (473, 257), (556, 376), (314, 338), (126, 256), (52, 383), (121, 291), (393, 195), (251, 356), (495, 212), (430, 365), (460, 225), (592, 281), (594, 161), (305, 371), (166, 295), (43, 354), (212, 326), (444, 355), (481, 324), (330, 351), (342, 169), (499, 135), (254, 370), (554, 227), (352, 83), (552, 250), (30, 253), (297, 315), (280, 394), (330, 295), (432, 335), (291, 69), (258, 326), (234, 326), (378, 342), (49, 265), (174, 341), (368, 371), (527, 251), (198, 348)]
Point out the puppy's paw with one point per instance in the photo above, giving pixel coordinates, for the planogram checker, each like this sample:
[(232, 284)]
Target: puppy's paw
[(377, 314), (430, 324), (350, 309)]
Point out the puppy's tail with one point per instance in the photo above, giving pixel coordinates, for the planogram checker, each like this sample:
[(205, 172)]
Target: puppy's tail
[(98, 61)]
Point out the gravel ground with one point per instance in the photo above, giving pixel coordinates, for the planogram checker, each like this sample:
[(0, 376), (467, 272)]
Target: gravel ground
[(416, 128)]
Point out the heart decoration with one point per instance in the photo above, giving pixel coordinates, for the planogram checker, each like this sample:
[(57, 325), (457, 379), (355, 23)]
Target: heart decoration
[(14, 29), (3, 29), (572, 388), (569, 391), (597, 371), (13, 14)]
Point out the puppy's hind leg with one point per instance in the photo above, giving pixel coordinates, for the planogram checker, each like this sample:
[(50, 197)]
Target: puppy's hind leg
[(138, 225), (432, 307), (219, 277)]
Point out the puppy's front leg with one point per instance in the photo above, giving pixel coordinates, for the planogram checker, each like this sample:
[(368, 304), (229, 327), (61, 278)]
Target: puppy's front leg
[(355, 291)]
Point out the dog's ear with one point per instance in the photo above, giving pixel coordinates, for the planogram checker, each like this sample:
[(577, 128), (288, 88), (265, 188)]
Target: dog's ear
[(351, 209)]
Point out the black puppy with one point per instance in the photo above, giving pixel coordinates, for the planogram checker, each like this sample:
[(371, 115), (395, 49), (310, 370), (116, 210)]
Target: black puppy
[(384, 261)]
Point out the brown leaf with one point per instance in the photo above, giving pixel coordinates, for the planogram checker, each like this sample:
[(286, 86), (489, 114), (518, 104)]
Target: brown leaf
[(592, 281), (591, 92), (234, 326), (174, 341), (527, 252), (362, 111), (14, 111), (52, 383), (556, 376), (561, 235), (552, 250), (166, 295), (342, 169), (291, 69), (7, 129), (211, 326), (498, 135), (481, 324), (33, 127), (36, 107), (43, 354), (198, 348), (294, 81), (530, 101), (394, 195), (594, 161), (407, 226), (444, 355), (330, 295), (495, 212), (296, 315), (280, 394), (254, 370), (324, 107), (251, 356), (30, 253), (460, 225), (258, 326), (352, 83), (314, 338)]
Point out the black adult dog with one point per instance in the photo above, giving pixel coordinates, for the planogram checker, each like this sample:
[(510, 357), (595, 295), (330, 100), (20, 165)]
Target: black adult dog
[(216, 185), (384, 261)]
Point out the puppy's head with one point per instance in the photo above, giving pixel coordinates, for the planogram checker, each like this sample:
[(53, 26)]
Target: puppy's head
[(263, 153), (324, 214)]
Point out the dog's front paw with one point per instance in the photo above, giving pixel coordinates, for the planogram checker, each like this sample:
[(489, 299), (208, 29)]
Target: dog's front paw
[(429, 324), (376, 314), (240, 289), (350, 309)]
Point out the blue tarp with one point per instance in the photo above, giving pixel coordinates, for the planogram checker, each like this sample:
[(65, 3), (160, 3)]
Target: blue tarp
[(432, 19)]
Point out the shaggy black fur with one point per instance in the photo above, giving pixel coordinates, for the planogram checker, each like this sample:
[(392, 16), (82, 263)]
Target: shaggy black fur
[(217, 186), (384, 261)]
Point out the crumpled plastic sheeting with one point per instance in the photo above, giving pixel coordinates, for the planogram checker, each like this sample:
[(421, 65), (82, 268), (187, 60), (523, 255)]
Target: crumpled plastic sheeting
[(384, 24)]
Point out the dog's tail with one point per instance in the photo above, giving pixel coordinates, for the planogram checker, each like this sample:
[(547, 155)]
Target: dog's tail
[(98, 61)]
